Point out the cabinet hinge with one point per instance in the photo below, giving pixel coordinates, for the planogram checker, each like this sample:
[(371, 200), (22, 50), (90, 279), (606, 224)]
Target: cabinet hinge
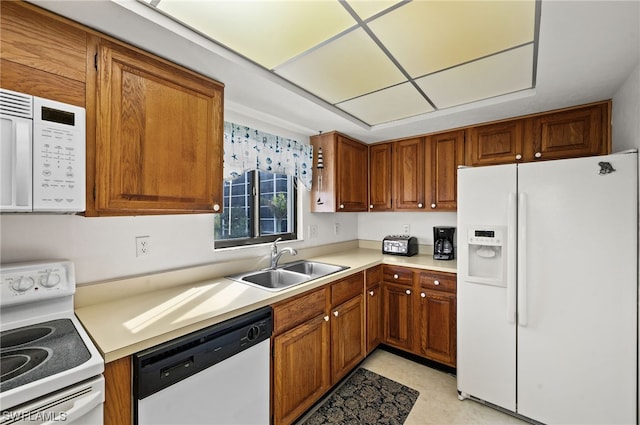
[(95, 61)]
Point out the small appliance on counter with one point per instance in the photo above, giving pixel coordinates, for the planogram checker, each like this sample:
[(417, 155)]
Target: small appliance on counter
[(400, 245), (443, 243)]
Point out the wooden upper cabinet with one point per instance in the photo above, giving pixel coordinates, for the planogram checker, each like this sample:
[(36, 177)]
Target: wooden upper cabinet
[(492, 144), (571, 133), (380, 177), (42, 54), (408, 175), (444, 151), (341, 186), (158, 136)]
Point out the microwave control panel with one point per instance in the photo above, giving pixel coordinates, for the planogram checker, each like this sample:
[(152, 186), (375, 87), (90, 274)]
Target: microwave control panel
[(59, 162)]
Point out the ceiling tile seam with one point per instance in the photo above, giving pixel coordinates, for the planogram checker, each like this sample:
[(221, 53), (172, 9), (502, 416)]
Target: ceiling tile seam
[(386, 51), (371, 92), (536, 39), (474, 60), (316, 47), (382, 12)]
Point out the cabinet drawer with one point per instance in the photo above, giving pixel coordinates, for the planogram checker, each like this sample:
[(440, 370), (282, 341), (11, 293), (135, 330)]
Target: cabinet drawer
[(291, 313), (347, 288), (438, 281), (399, 275)]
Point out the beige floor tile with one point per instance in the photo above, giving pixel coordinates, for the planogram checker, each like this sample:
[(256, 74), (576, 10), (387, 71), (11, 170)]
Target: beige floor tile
[(438, 403)]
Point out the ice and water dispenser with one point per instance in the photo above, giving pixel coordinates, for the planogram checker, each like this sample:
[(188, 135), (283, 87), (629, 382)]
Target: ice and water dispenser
[(487, 257)]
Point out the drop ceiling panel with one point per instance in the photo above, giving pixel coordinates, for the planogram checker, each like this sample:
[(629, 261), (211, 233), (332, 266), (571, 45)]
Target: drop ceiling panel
[(387, 105), (349, 66), (496, 75), (427, 36), (267, 32)]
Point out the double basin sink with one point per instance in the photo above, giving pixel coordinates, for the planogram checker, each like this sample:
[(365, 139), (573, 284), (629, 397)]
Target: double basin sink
[(287, 275)]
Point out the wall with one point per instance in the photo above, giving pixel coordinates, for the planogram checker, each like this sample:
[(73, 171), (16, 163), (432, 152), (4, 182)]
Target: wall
[(375, 226), (103, 248)]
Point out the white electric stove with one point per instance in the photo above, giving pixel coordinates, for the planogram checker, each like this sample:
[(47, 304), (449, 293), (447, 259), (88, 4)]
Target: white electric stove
[(50, 370)]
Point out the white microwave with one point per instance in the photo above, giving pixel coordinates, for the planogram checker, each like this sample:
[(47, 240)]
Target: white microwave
[(42, 154)]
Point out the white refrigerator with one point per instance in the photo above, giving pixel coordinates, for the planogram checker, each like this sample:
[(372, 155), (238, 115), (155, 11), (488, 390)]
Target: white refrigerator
[(548, 288)]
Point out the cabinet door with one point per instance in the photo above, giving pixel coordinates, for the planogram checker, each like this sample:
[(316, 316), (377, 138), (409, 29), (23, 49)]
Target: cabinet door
[(408, 175), (444, 152), (300, 369), (373, 297), (352, 159), (398, 315), (491, 144), (438, 326), (571, 133), (380, 177), (347, 337), (158, 136)]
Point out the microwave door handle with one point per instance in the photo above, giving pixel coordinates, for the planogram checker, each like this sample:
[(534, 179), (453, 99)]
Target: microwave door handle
[(23, 162)]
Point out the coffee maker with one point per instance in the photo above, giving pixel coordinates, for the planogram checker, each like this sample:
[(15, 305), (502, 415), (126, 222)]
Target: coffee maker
[(443, 243)]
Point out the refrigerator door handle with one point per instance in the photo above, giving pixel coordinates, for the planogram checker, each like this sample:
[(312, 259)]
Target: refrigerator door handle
[(522, 259), (511, 267)]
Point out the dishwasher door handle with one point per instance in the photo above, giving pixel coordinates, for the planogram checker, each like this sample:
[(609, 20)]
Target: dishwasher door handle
[(180, 368)]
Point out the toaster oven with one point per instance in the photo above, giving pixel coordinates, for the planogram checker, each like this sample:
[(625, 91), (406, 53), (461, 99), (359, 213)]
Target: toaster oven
[(400, 245)]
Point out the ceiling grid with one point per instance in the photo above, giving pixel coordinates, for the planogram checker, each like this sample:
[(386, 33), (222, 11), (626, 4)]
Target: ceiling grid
[(378, 61)]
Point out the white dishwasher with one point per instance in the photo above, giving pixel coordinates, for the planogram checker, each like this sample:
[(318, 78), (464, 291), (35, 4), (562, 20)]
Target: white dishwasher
[(218, 375)]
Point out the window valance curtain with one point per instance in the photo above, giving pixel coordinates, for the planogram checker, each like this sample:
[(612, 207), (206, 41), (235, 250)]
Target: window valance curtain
[(248, 149)]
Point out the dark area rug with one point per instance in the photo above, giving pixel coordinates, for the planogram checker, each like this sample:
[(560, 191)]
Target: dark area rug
[(366, 398)]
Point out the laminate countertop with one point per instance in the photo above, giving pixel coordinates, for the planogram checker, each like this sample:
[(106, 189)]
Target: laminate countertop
[(122, 326)]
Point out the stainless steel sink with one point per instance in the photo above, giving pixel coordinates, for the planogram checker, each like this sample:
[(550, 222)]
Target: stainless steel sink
[(314, 269), (287, 275)]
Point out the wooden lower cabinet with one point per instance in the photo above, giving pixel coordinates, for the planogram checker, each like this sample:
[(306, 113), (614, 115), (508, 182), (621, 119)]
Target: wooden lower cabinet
[(397, 304), (300, 369), (420, 312), (118, 392), (373, 307), (318, 338)]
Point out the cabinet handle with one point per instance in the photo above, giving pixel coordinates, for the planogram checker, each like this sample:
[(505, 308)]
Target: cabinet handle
[(341, 206), (408, 291), (371, 206), (423, 295), (436, 282), (395, 276), (420, 205), (371, 293), (433, 205), (518, 157), (216, 207), (335, 313), (538, 155), (326, 318)]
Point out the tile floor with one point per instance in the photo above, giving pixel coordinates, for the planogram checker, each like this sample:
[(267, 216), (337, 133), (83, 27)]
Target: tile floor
[(438, 401)]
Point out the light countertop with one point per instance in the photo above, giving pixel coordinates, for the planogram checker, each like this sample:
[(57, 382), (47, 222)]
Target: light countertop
[(123, 326)]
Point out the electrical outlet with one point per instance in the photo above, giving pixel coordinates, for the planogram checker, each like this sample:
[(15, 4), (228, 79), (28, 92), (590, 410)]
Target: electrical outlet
[(336, 228), (313, 231), (405, 229), (143, 246)]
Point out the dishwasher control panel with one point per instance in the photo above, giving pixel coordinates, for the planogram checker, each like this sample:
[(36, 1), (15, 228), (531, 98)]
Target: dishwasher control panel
[(173, 361)]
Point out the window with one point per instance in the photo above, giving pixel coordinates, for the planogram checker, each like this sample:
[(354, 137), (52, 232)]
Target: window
[(258, 207)]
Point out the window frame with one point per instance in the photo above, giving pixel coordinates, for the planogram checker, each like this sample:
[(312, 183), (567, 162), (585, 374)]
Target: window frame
[(254, 216)]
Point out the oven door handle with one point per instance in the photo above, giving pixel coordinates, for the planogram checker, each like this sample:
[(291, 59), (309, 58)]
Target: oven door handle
[(78, 408)]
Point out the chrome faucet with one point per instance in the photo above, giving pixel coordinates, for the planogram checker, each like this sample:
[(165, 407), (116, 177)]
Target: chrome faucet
[(275, 255)]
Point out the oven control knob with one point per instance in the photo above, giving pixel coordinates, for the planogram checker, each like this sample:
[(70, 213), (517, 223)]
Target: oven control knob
[(22, 283), (50, 280)]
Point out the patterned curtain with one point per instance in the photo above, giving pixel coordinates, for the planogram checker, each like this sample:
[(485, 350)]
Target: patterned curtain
[(248, 149)]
